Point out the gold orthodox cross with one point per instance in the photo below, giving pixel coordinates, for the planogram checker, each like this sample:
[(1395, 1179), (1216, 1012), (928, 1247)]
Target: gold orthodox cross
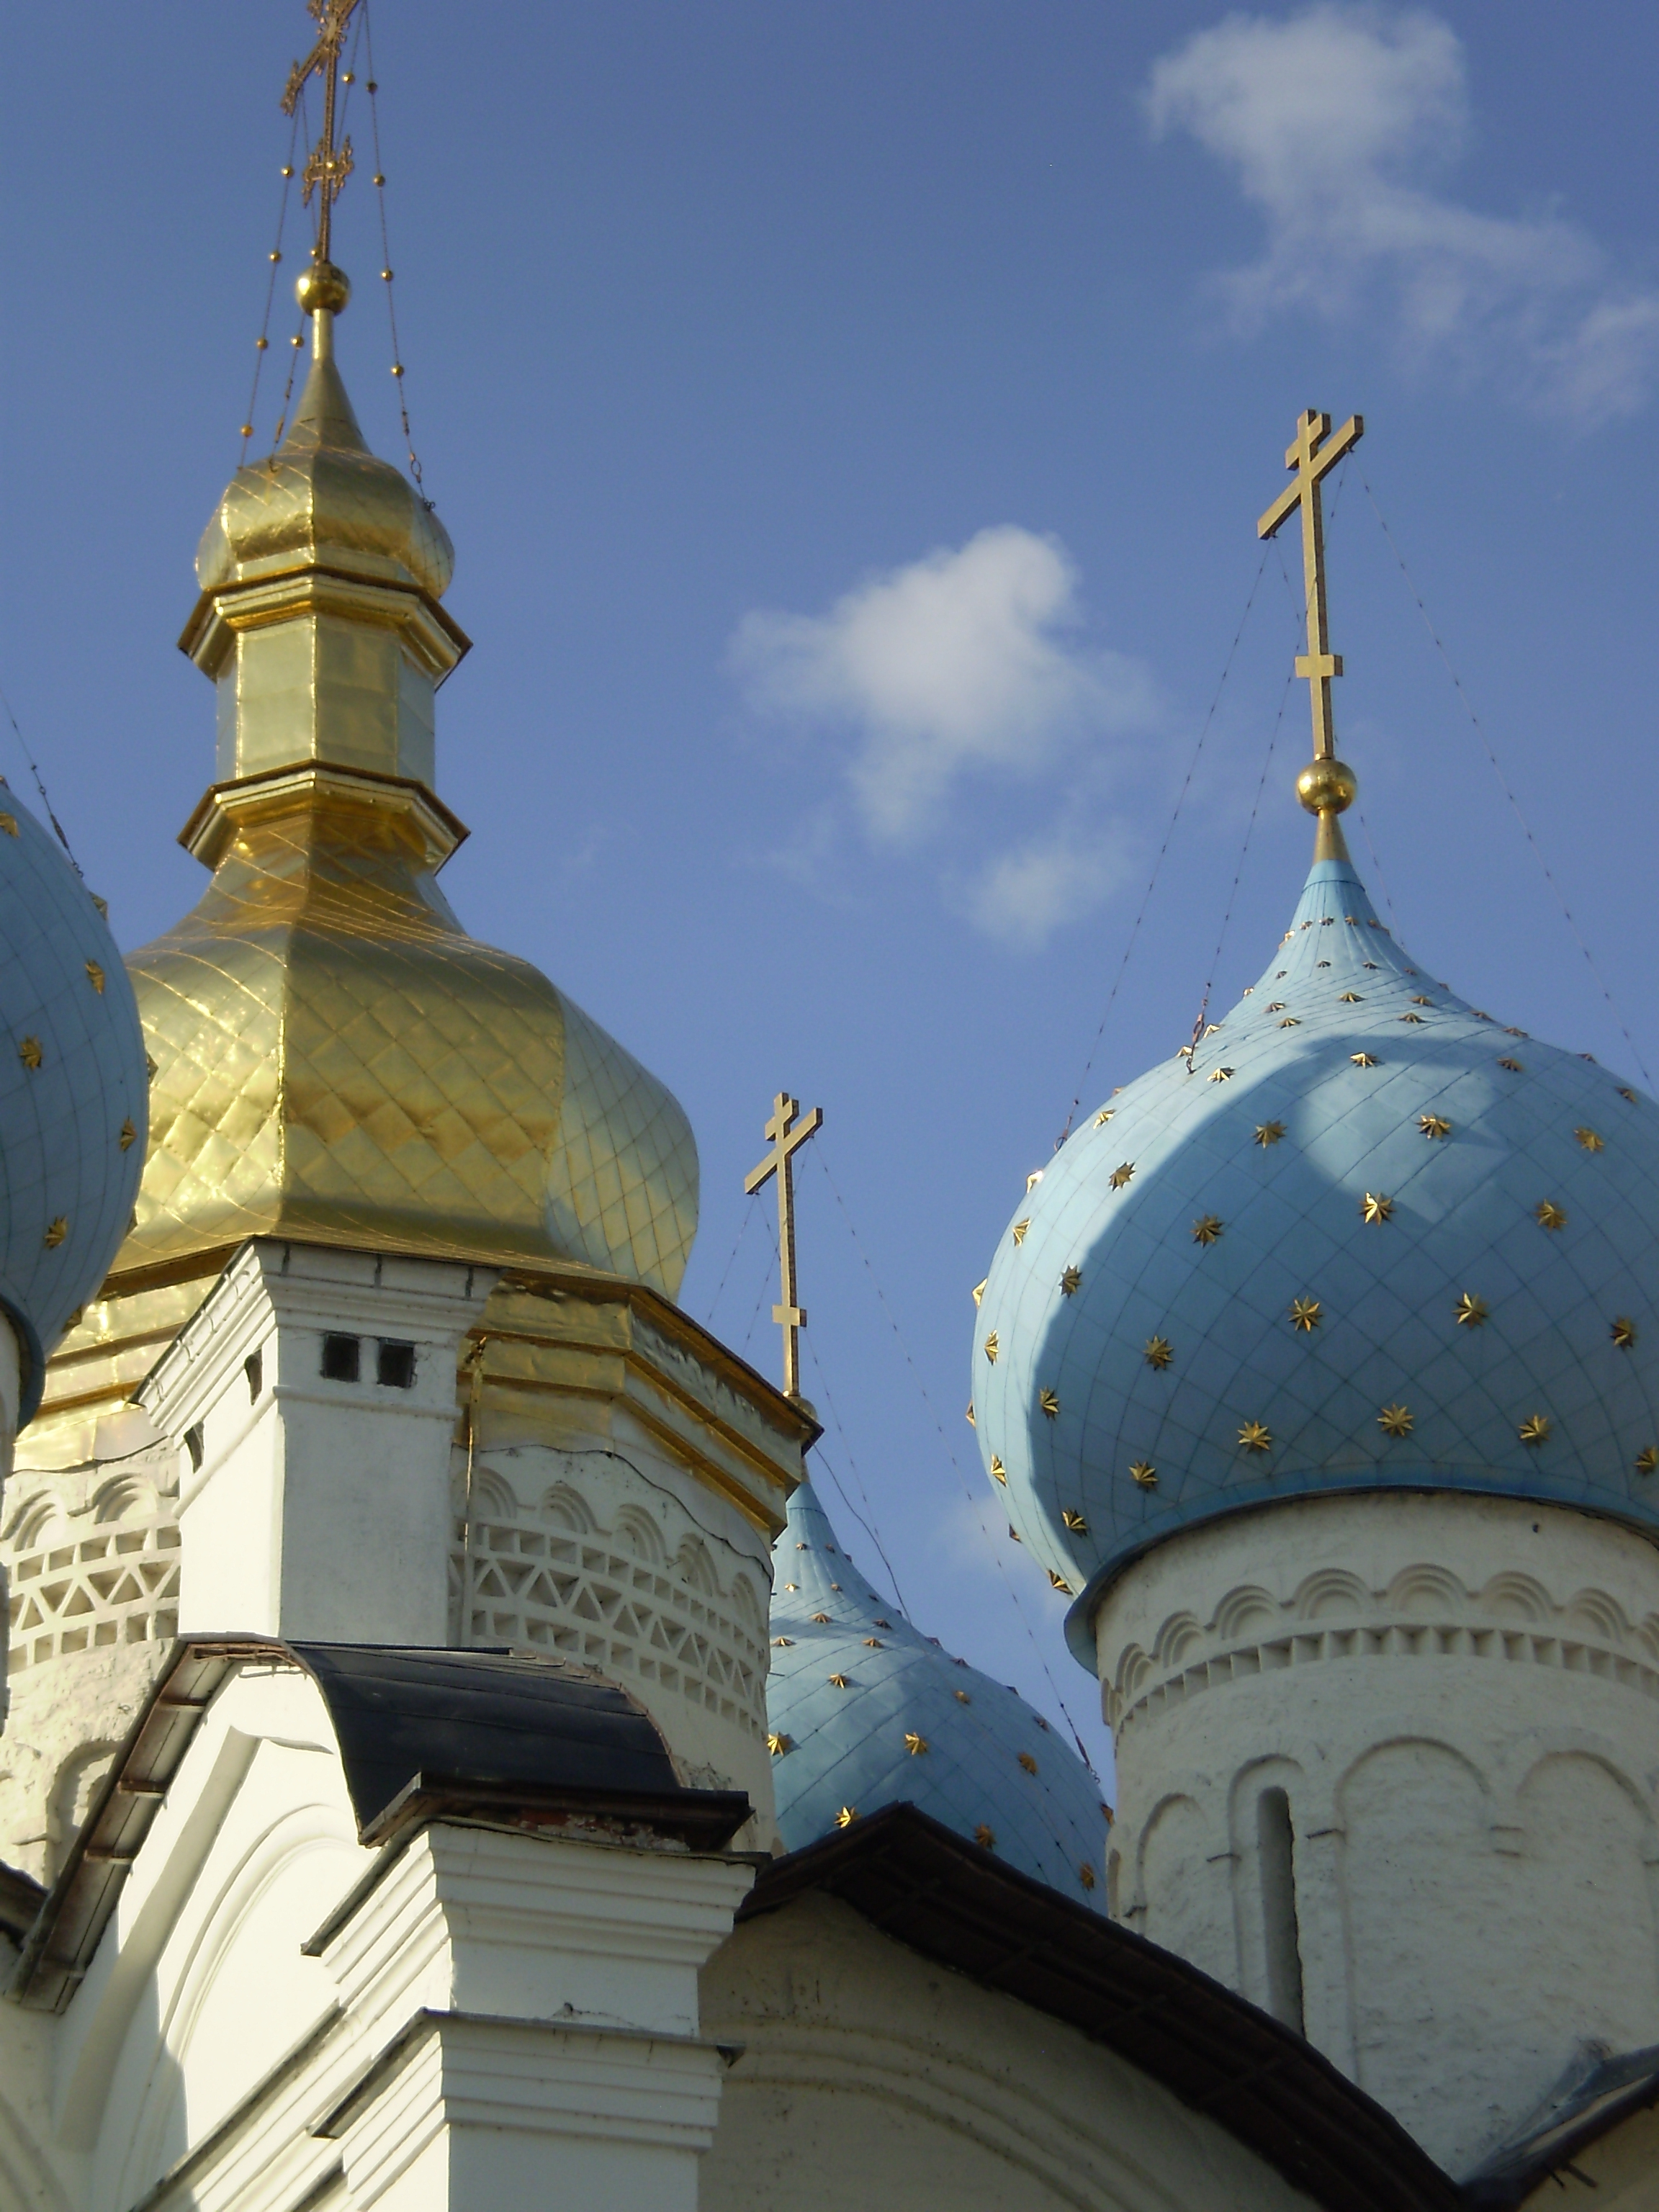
[(788, 1136), (330, 164), (1313, 456)]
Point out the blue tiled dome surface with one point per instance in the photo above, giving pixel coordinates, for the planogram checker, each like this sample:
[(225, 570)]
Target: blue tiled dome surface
[(847, 1747), (61, 1158), (1463, 1219)]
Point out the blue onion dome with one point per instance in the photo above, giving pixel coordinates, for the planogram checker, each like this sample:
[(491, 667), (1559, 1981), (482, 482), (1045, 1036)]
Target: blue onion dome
[(73, 1092), (865, 1711), (1366, 1239)]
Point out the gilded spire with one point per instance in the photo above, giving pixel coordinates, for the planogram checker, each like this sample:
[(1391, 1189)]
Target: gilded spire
[(1326, 787)]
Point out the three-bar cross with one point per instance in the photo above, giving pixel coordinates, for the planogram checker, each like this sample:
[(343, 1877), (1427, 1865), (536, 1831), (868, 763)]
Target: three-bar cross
[(330, 164), (788, 1136), (1313, 456)]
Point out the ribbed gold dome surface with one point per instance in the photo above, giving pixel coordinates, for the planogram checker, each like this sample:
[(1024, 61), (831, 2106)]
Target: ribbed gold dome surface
[(334, 1057), (325, 500)]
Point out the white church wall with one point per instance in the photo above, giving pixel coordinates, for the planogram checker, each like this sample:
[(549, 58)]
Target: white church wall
[(490, 2017), (617, 1557), (316, 1502), (1459, 1699), (874, 2081)]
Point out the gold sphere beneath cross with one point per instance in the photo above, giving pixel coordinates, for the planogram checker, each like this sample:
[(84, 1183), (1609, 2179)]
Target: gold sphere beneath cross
[(323, 285), (1326, 787)]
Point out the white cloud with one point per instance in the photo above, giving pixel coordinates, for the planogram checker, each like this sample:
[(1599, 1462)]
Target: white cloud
[(964, 662), (1046, 881), (1338, 121)]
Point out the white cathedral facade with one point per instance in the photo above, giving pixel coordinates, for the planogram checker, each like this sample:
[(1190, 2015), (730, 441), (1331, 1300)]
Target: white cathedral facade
[(449, 1763)]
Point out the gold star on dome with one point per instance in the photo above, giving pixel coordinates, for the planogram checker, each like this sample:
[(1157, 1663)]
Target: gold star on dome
[(780, 1746), (1085, 1875), (128, 1136), (1513, 1066), (1515, 1032), (872, 1644), (847, 1815), (1471, 1311), (985, 1838), (961, 1697), (1208, 1228), (1049, 1403), (1291, 1022), (1028, 1762), (1276, 1007), (1220, 1074), (1350, 999), (839, 1682), (1373, 964), (1144, 1472), (968, 1415), (1418, 1000), (1625, 1093), (1548, 1215), (1375, 1207), (999, 1472), (95, 977), (914, 1744), (878, 1622), (1624, 1333), (1059, 1582), (1269, 1133), (1589, 1140), (1158, 1353), (55, 1235), (1070, 1281), (1020, 1228), (1395, 1420), (1363, 1060), (821, 1618), (979, 1290), (1104, 1117), (1074, 1521), (1253, 1438), (1647, 1459), (29, 1052), (1306, 1313), (782, 1643), (1535, 1430), (1122, 1175), (1433, 1124), (1418, 1019), (991, 1347)]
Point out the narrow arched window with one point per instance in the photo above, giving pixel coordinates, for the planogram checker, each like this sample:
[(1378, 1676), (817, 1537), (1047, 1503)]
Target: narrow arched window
[(1276, 1853)]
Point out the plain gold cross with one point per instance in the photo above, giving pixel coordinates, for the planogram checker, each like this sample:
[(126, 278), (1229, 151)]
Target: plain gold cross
[(1313, 456), (788, 1136)]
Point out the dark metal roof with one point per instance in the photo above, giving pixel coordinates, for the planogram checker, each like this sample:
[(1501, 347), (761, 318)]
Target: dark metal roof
[(943, 1897), (1588, 2108), (20, 1900), (422, 1735)]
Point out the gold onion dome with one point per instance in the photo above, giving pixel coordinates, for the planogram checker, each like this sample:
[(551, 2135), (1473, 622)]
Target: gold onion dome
[(335, 1059)]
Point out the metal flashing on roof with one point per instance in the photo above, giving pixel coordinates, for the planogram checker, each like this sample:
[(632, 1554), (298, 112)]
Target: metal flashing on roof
[(1589, 2107), (422, 1735), (962, 1907)]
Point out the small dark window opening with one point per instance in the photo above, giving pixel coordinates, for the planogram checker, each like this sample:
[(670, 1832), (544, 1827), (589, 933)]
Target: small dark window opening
[(343, 1358), (1276, 1845), (254, 1368), (195, 1444), (394, 1366)]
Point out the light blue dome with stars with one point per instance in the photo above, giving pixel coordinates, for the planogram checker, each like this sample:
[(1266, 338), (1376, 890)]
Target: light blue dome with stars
[(1371, 1239), (865, 1711), (73, 1092)]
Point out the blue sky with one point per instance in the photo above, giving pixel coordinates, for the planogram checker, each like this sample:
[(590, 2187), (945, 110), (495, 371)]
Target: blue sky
[(852, 421)]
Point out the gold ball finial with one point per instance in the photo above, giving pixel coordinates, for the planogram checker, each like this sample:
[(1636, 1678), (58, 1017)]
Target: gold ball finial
[(323, 285), (1326, 787)]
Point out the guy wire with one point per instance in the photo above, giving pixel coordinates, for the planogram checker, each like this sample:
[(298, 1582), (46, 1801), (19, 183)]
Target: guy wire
[(1152, 881), (262, 343), (40, 785), (386, 256), (1504, 785)]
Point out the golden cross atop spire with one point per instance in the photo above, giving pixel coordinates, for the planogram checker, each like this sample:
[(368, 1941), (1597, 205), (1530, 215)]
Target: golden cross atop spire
[(787, 1140), (329, 165), (1328, 787)]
